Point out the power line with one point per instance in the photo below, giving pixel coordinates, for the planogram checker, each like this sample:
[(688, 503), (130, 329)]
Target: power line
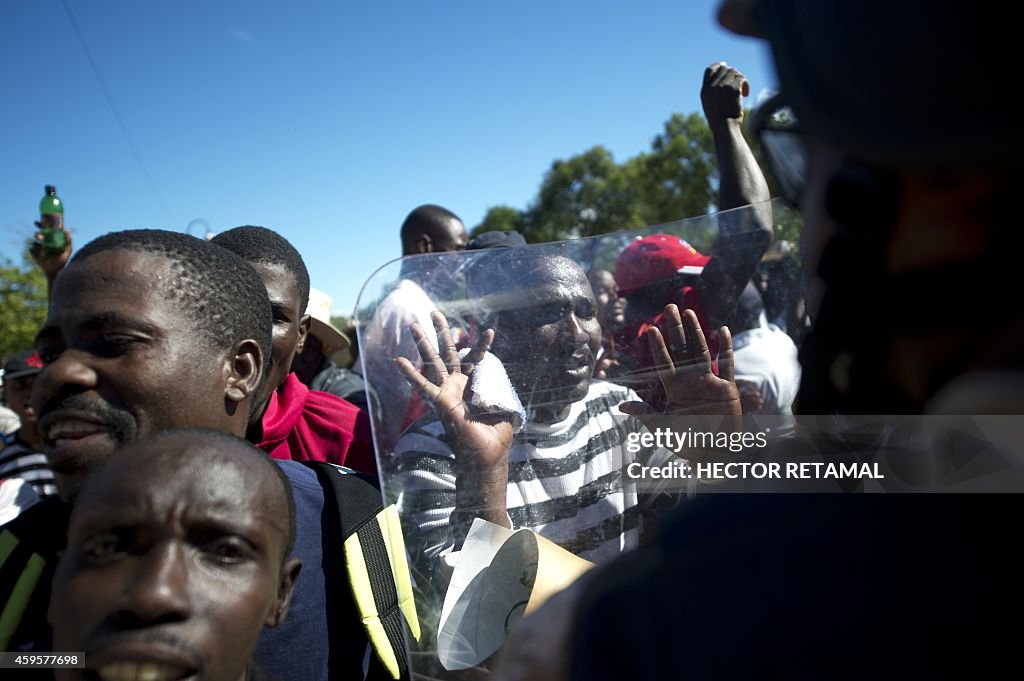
[(117, 115)]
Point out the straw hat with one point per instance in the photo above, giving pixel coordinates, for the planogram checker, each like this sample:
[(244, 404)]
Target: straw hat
[(319, 308)]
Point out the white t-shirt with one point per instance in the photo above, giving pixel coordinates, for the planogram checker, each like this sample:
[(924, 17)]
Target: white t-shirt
[(386, 337), (767, 357)]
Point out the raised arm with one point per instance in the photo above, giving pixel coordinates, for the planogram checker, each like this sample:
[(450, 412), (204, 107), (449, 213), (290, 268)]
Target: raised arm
[(745, 235), (50, 263), (741, 181)]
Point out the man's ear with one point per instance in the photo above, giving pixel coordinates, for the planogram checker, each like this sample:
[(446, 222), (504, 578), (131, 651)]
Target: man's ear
[(304, 325), (289, 573), (244, 372)]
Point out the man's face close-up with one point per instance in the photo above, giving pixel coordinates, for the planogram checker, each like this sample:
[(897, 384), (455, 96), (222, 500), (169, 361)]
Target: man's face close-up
[(173, 566), (286, 306), (549, 339), (122, 360)]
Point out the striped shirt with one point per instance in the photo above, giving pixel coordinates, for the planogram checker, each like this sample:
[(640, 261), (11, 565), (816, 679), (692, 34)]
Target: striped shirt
[(567, 480), (18, 460)]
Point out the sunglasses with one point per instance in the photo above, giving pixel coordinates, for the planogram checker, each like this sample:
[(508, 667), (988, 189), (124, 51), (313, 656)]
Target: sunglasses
[(784, 146)]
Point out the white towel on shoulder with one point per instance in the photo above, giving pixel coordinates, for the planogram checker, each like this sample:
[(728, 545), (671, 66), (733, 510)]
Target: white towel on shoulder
[(492, 392)]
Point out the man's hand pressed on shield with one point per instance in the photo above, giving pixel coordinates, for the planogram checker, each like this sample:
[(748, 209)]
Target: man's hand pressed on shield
[(481, 443), (684, 368)]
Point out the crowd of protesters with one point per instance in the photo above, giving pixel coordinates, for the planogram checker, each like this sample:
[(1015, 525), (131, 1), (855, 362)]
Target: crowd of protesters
[(191, 446)]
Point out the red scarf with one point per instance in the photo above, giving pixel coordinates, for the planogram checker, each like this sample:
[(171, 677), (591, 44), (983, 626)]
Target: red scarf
[(302, 424)]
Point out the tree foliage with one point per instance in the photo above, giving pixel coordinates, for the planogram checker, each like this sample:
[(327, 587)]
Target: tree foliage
[(677, 178), (590, 193), (585, 195), (499, 219), (22, 305)]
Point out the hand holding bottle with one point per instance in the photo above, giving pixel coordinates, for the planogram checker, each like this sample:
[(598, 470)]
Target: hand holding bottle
[(51, 245)]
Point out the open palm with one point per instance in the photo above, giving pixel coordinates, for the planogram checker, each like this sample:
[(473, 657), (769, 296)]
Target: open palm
[(684, 367), (478, 440)]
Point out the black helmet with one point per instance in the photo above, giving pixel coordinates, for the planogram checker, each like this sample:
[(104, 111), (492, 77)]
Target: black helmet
[(895, 81)]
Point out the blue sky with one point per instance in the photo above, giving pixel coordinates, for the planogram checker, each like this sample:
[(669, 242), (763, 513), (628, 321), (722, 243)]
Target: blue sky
[(330, 121)]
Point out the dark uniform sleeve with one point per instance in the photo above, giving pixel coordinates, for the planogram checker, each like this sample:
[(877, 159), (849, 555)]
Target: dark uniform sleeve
[(810, 586)]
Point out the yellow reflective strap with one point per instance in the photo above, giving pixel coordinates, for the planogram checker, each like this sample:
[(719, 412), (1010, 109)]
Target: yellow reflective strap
[(7, 543), (362, 593), (391, 528), (19, 598)]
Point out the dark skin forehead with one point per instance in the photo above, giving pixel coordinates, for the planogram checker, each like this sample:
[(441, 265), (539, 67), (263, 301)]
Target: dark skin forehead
[(282, 289), (209, 482), (117, 286), (541, 281), (550, 270)]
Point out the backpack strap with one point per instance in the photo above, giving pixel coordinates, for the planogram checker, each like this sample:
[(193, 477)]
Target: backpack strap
[(375, 565)]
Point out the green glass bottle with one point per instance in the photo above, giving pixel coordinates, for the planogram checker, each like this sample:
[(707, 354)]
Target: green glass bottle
[(51, 212)]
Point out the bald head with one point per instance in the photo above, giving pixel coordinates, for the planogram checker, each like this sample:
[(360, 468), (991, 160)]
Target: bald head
[(432, 229)]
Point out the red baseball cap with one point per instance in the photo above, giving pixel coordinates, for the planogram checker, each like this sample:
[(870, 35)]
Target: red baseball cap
[(654, 258)]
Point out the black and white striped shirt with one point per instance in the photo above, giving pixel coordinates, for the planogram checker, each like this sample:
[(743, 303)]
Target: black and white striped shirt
[(567, 480), (18, 460)]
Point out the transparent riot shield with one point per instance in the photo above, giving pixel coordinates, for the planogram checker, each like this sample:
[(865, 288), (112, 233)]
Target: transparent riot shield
[(507, 454), (537, 409)]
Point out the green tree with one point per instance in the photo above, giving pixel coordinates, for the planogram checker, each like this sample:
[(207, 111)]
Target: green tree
[(499, 219), (677, 178), (592, 194), (587, 194), (340, 321), (22, 305)]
